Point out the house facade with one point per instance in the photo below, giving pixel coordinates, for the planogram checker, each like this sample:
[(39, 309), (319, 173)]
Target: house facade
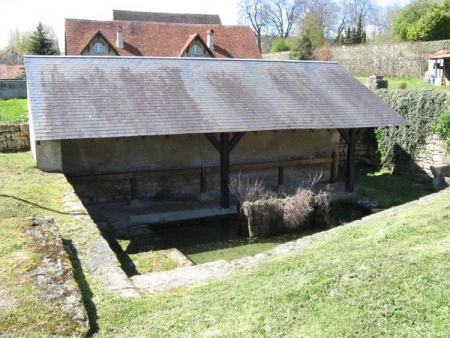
[(439, 68)]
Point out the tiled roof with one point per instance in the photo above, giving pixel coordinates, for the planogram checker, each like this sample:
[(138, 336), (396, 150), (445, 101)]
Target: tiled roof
[(98, 97), (161, 39), (11, 72), (206, 19), (441, 54)]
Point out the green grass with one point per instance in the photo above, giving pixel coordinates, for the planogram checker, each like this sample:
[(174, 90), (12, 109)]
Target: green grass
[(14, 110), (388, 277), (390, 189), (411, 82)]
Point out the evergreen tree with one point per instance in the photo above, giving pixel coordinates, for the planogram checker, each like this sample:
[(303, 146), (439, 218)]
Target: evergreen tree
[(42, 42), (302, 49)]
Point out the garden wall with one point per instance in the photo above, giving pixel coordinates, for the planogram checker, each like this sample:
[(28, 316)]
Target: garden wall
[(14, 137), (390, 59), (13, 89)]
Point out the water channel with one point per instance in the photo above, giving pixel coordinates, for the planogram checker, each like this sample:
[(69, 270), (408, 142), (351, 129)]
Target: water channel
[(209, 241)]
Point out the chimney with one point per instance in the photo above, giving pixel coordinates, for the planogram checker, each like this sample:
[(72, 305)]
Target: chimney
[(210, 41), (119, 41)]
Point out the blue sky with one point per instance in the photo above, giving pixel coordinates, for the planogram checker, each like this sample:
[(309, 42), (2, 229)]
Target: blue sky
[(25, 14)]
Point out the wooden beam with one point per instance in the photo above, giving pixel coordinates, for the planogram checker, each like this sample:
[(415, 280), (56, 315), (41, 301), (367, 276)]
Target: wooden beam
[(216, 144), (224, 170), (235, 140), (351, 137)]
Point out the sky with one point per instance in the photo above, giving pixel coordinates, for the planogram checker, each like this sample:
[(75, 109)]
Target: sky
[(25, 14)]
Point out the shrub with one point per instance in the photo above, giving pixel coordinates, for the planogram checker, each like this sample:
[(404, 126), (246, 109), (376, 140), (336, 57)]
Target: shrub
[(267, 214), (402, 85), (422, 108), (280, 45), (442, 128)]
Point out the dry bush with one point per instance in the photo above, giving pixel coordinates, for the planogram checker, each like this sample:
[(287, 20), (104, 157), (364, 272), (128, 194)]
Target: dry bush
[(269, 215), (324, 53), (246, 190)]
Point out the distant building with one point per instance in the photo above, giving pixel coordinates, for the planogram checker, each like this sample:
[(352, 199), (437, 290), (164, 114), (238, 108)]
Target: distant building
[(141, 38), (439, 68), (202, 19)]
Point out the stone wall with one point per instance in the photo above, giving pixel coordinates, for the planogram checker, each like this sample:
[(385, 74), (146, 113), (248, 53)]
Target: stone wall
[(433, 154), (14, 137), (137, 154), (389, 60), (13, 89), (366, 149)]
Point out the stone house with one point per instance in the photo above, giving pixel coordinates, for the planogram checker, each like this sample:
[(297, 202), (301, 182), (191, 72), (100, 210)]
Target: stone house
[(138, 127), (162, 39)]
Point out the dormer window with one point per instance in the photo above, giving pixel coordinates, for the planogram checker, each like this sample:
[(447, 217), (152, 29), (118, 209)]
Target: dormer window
[(99, 48), (195, 50)]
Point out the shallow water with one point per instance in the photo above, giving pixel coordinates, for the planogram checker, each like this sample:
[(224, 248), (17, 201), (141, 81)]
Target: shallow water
[(220, 239)]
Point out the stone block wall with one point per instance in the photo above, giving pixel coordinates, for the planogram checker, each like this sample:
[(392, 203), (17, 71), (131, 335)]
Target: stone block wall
[(432, 154), (14, 137), (13, 89), (366, 149)]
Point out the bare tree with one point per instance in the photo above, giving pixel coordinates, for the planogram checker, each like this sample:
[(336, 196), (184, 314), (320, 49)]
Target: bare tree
[(356, 10), (254, 12), (327, 13), (284, 14)]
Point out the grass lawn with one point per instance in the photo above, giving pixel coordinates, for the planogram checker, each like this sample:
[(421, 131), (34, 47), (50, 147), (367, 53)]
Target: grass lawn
[(14, 110), (411, 82), (388, 277)]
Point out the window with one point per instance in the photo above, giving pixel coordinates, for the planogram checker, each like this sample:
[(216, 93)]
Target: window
[(195, 50), (98, 47)]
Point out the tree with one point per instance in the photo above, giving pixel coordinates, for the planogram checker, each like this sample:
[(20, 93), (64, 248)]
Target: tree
[(408, 16), (382, 23), (355, 35), (254, 12), (43, 42), (302, 48), (358, 10), (18, 41), (432, 25), (283, 15), (312, 27), (327, 13)]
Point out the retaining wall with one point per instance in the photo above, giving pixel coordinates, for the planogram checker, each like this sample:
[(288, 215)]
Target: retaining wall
[(13, 89), (14, 137)]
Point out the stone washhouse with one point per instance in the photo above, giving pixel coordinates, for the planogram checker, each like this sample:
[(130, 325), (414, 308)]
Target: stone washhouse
[(149, 127)]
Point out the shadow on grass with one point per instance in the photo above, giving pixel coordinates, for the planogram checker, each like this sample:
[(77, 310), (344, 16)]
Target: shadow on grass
[(83, 285), (391, 188), (42, 207)]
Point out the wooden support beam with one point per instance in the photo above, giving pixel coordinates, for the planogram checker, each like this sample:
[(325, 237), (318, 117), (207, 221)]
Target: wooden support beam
[(235, 140), (211, 138), (351, 137), (333, 169), (134, 188), (280, 176), (224, 170)]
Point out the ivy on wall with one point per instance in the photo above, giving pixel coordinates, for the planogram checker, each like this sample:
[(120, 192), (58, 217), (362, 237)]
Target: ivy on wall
[(422, 108), (442, 128)]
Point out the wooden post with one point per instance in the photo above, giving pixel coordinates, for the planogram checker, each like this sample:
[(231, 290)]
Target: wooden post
[(203, 180), (224, 170), (224, 147), (280, 176), (333, 169), (350, 136), (134, 193)]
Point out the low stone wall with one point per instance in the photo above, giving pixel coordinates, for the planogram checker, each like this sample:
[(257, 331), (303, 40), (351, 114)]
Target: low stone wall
[(14, 137), (433, 154), (13, 89)]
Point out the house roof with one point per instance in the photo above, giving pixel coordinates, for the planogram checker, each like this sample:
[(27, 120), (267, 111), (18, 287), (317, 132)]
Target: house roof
[(11, 72), (161, 39), (100, 97), (206, 19), (440, 55), (189, 41)]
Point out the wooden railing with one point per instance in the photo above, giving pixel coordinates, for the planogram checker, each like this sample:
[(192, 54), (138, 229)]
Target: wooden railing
[(133, 177)]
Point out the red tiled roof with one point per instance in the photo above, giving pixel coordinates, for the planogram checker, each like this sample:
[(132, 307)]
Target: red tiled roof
[(161, 39), (11, 72), (440, 54)]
